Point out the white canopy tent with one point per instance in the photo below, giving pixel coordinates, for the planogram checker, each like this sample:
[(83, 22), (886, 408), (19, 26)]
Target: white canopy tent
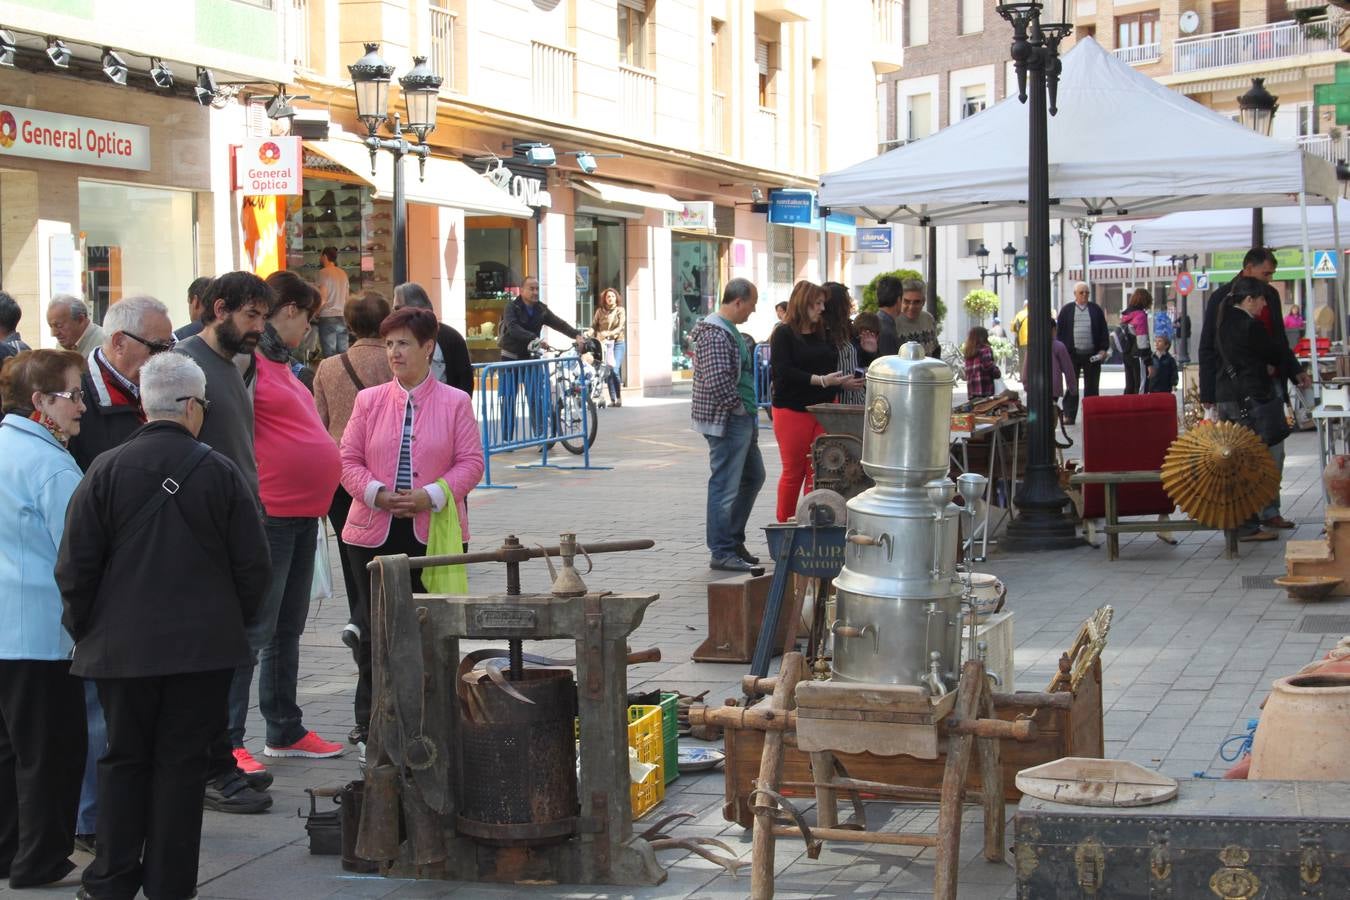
[(1230, 229)]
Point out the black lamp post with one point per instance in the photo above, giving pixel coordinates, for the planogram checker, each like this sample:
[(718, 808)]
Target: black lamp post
[(1179, 265), (1009, 256), (1257, 111), (421, 88), (1045, 518)]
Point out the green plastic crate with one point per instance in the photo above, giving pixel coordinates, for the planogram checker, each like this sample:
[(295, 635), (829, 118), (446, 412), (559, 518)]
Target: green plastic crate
[(670, 730)]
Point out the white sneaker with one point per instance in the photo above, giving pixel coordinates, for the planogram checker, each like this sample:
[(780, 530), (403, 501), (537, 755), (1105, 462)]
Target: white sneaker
[(361, 752)]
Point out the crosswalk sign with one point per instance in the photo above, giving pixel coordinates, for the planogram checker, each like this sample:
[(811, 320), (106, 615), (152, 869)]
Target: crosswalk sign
[(1324, 264)]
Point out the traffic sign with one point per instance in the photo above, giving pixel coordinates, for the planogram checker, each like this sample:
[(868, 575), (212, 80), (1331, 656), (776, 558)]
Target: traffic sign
[(1324, 264), (1184, 283), (1202, 282)]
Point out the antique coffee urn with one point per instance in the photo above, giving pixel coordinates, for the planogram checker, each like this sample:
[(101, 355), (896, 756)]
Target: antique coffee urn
[(898, 597)]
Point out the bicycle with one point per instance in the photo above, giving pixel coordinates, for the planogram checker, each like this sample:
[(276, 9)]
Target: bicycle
[(572, 393)]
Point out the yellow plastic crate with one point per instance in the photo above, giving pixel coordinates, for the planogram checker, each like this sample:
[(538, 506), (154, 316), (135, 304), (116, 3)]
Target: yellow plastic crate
[(644, 735)]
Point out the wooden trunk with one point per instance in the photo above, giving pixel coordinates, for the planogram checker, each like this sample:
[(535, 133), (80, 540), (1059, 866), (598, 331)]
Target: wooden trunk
[(1076, 731), (1229, 839), (735, 611)]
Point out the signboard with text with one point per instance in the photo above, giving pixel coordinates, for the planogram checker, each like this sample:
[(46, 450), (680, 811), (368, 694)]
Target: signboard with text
[(38, 134), (875, 239), (268, 167), (792, 207)]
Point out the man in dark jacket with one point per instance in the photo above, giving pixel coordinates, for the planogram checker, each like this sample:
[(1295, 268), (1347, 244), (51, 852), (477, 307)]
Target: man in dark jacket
[(522, 322), (450, 361), (1081, 327), (196, 307), (161, 632)]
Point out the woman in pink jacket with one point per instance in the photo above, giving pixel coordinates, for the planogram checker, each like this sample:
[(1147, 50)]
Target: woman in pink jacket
[(402, 438)]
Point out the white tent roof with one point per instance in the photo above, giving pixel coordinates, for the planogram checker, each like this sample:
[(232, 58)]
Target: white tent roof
[(1121, 144), (1231, 229)]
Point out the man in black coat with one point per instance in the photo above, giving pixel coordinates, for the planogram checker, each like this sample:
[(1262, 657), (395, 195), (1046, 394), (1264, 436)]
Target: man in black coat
[(161, 567), (1081, 327), (450, 361), (522, 323)]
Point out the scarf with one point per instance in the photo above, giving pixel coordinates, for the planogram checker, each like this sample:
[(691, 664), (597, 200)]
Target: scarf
[(272, 346), (123, 383), (52, 428)]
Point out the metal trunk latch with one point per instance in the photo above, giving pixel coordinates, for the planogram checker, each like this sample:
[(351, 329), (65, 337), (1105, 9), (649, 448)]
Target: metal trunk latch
[(1159, 863), (1089, 858), (1234, 881)]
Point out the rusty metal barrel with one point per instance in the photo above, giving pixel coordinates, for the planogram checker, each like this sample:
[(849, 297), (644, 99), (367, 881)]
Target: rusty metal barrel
[(518, 760)]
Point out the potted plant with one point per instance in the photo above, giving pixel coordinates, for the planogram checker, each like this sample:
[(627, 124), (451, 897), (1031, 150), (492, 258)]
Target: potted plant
[(980, 303)]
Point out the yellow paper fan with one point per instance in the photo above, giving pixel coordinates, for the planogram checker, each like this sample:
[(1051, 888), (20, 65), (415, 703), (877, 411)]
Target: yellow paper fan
[(1220, 475)]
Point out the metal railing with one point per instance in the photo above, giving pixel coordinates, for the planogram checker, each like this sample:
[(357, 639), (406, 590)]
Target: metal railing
[(1324, 145), (638, 90), (442, 34), (297, 33), (888, 14), (766, 136), (763, 378), (1278, 40), (552, 77), (715, 131), (1139, 54)]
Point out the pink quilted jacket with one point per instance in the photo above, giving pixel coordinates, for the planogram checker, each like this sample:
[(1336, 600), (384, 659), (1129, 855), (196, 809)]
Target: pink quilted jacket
[(445, 444)]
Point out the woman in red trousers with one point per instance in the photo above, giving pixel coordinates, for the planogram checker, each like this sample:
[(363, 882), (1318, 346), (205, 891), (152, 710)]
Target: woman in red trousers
[(804, 363)]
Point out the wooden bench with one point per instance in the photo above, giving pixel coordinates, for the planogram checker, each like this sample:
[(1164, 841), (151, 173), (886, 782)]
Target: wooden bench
[(1114, 528)]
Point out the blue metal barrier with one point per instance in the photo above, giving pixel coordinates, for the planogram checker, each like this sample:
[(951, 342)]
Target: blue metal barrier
[(523, 403), (763, 378)]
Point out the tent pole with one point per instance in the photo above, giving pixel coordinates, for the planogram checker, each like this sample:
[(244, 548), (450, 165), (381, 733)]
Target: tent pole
[(823, 252), (1309, 329), (1338, 286), (931, 265)]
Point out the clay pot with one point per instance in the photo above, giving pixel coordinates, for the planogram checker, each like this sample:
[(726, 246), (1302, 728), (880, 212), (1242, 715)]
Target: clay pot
[(1304, 729), (1336, 478)]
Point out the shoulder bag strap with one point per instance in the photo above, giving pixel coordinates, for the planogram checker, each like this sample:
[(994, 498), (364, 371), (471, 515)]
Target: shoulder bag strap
[(167, 488), (351, 371)]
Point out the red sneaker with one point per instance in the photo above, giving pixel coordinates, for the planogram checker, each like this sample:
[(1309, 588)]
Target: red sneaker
[(310, 746), (246, 763)]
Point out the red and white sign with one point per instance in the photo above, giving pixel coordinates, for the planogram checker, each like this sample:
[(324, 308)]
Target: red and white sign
[(1184, 283), (268, 167), (39, 134)]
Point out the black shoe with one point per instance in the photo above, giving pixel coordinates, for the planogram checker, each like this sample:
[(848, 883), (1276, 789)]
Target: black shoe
[(729, 564), (259, 781), (745, 555), (357, 735), (351, 636), (231, 793), (86, 844)]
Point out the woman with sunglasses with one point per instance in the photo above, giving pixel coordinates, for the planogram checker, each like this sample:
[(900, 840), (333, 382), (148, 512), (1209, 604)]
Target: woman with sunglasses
[(42, 712)]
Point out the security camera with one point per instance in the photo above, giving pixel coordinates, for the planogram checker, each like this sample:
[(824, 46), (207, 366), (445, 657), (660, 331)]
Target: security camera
[(586, 162)]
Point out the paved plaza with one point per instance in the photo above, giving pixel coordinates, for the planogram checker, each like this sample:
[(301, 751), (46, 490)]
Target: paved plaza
[(1192, 652)]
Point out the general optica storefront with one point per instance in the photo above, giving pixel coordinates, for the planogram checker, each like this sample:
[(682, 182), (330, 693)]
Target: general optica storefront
[(96, 207)]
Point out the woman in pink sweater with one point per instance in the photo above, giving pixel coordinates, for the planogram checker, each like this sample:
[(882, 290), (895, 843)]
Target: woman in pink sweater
[(402, 438)]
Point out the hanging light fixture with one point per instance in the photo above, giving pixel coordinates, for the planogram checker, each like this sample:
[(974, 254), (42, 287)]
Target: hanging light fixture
[(58, 53), (114, 66), (205, 90), (7, 48), (161, 74), (370, 83)]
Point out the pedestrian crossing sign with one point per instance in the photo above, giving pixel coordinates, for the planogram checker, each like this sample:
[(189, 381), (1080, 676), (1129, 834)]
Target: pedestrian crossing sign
[(1324, 264)]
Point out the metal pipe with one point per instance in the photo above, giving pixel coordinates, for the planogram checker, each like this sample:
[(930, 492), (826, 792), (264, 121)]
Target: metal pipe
[(508, 556)]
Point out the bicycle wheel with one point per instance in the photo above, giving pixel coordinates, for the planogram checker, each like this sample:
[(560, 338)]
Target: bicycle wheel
[(571, 412)]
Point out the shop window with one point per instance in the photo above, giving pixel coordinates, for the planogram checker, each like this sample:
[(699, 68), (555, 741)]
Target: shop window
[(633, 33), (972, 100), (697, 271), (918, 116), (782, 261), (495, 263), (1224, 15), (344, 216), (599, 247), (138, 240), (971, 237)]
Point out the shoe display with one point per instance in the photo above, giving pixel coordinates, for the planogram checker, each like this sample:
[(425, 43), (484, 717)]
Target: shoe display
[(375, 248), (311, 232), (327, 198), (353, 200), (246, 763), (350, 248), (744, 554), (232, 794), (329, 215), (353, 216), (351, 636), (730, 564), (311, 746), (333, 231)]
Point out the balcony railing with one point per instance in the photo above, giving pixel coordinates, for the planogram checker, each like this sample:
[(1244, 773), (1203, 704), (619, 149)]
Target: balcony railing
[(297, 33), (1278, 40), (766, 137), (552, 76), (888, 14), (638, 89), (1139, 54), (442, 34), (715, 132), (1324, 145)]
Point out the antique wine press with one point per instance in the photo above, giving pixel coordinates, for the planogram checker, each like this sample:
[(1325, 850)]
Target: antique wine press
[(477, 767)]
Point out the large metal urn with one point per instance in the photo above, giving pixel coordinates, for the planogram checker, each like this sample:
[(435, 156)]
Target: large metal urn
[(898, 599)]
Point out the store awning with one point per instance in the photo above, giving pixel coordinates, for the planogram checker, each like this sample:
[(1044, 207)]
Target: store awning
[(448, 182), (627, 196)]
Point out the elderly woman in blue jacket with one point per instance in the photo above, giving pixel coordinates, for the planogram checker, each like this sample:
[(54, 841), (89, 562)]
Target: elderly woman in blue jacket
[(42, 718)]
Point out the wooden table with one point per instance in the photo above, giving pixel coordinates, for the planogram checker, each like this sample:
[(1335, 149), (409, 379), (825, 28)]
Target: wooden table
[(1114, 528)]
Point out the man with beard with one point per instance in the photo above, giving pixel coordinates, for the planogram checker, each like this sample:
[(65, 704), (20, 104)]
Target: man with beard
[(236, 306)]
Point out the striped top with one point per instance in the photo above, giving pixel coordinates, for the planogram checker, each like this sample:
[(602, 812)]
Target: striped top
[(403, 477)]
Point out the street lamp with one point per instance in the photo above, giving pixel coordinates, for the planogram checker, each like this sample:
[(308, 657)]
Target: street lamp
[(421, 87), (1009, 257), (1179, 264), (1257, 112), (1045, 519)]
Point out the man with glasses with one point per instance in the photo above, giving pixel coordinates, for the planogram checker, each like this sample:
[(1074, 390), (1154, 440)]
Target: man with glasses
[(909, 320)]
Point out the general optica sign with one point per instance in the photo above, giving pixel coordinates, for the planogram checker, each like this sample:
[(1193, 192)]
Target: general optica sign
[(39, 134), (269, 166)]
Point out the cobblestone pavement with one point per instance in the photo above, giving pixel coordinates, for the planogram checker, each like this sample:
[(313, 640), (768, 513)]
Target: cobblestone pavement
[(1191, 654)]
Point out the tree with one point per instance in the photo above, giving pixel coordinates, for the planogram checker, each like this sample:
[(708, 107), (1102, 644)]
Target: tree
[(980, 303), (869, 297)]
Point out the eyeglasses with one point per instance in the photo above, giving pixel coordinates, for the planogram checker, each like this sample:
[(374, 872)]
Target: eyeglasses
[(154, 346), (203, 403), (75, 396)]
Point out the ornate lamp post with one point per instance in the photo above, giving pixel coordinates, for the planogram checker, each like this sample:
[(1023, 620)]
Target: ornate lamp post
[(1009, 256), (1045, 519), (421, 88), (1257, 111)]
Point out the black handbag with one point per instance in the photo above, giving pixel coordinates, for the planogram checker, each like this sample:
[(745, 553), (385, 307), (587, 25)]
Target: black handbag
[(1266, 418)]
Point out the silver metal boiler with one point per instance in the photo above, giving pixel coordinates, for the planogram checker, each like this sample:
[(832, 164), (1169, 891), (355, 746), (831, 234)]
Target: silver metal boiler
[(898, 598)]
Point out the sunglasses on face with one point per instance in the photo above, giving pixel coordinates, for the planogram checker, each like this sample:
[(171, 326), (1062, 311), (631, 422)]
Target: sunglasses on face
[(201, 401), (153, 346)]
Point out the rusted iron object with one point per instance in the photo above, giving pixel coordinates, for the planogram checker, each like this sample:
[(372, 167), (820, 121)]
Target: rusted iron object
[(349, 799), (378, 839), (519, 553), (518, 760), (495, 660)]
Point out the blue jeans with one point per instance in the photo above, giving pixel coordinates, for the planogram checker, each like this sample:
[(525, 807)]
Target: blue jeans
[(98, 745), (332, 335), (510, 382), (615, 378), (735, 477), (274, 636)]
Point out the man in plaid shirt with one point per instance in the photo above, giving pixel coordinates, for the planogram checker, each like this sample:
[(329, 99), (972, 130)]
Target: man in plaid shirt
[(724, 412)]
